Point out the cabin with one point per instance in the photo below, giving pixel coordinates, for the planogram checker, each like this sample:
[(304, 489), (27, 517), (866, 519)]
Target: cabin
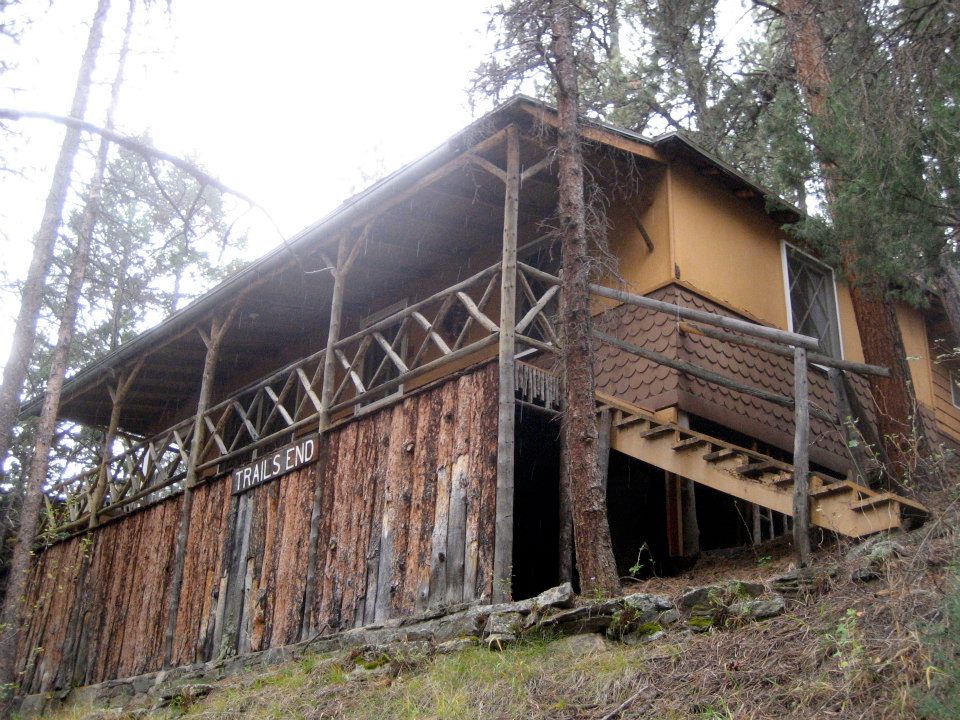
[(364, 424)]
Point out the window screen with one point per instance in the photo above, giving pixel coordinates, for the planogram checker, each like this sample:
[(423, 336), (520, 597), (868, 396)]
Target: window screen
[(813, 302)]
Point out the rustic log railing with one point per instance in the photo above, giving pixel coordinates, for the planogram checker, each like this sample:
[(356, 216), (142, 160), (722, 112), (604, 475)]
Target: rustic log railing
[(441, 329)]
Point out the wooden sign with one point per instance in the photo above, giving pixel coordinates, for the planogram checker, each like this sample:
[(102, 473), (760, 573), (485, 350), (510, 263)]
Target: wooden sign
[(279, 462)]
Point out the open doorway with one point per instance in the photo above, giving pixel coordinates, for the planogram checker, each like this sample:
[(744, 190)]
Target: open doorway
[(536, 502)]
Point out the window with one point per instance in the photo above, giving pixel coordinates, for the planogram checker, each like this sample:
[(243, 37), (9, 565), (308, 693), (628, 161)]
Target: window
[(812, 300), (373, 359), (955, 386)]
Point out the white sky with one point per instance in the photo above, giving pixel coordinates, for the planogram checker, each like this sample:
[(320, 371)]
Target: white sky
[(286, 101)]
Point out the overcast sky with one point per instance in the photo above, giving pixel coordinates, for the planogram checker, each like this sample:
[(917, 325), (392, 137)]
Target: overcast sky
[(289, 102)]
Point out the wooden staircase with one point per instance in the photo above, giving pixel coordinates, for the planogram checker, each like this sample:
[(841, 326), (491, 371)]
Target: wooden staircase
[(836, 504)]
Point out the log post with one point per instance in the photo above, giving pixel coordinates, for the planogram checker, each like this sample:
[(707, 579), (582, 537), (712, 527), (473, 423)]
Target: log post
[(346, 255), (689, 525), (118, 394), (213, 341), (565, 550), (503, 540), (801, 458)]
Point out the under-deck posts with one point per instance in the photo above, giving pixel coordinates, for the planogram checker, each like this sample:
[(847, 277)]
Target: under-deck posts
[(345, 258), (213, 341), (117, 396), (503, 541), (801, 459)]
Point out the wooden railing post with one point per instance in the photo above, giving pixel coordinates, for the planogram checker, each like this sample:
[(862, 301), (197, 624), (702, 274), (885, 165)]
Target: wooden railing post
[(346, 256), (118, 394), (503, 539), (213, 341), (801, 458)]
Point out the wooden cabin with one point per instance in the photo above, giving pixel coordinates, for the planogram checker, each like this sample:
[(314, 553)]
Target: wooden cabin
[(363, 424)]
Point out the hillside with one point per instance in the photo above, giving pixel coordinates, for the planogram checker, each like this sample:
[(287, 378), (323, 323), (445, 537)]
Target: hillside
[(863, 638)]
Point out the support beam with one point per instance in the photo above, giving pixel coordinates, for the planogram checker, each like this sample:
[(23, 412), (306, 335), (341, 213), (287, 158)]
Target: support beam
[(213, 341), (503, 540), (346, 255), (801, 458), (118, 394)]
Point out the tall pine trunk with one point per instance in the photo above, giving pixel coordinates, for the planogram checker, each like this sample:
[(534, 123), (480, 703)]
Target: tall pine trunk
[(33, 492), (876, 316), (25, 334), (948, 283), (591, 528)]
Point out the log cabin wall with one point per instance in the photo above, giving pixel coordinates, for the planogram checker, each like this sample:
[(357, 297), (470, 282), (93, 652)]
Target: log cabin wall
[(408, 498)]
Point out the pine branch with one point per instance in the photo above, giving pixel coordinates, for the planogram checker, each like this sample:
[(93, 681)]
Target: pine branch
[(130, 144)]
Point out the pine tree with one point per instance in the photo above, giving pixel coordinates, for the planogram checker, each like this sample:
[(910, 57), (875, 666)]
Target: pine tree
[(547, 39)]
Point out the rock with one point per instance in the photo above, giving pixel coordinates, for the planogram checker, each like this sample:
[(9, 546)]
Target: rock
[(503, 623), (668, 617), (452, 646), (32, 705), (560, 596), (865, 574), (583, 644), (758, 609), (644, 602), (878, 549), (502, 629), (641, 613), (585, 619), (803, 581), (704, 596), (744, 589)]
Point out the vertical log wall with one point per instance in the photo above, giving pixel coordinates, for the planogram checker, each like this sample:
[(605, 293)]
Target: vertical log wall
[(407, 522)]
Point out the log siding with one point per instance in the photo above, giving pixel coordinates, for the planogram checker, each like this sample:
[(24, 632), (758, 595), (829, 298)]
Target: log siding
[(407, 498)]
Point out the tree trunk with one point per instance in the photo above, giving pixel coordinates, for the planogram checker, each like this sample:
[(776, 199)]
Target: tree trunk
[(948, 282), (591, 529), (15, 370), (876, 317), (25, 334)]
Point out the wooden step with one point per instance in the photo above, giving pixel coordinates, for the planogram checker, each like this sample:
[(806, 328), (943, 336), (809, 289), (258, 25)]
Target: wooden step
[(837, 488), (868, 503), (656, 430), (783, 479), (630, 420), (690, 443), (721, 454)]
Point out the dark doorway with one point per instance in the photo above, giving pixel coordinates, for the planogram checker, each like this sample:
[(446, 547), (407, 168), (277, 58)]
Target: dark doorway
[(536, 502), (637, 508)]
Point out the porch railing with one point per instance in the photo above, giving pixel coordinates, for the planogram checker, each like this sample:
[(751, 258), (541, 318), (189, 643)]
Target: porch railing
[(448, 326)]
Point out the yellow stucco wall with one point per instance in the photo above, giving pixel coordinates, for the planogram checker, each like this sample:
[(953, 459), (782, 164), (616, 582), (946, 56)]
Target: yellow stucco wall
[(725, 247), (917, 347), (642, 269)]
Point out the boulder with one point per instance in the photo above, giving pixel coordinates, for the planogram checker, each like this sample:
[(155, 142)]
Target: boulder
[(560, 596), (502, 629), (759, 609), (585, 619), (584, 644)]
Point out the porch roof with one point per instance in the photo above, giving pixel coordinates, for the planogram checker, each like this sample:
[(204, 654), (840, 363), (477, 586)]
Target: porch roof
[(294, 306)]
